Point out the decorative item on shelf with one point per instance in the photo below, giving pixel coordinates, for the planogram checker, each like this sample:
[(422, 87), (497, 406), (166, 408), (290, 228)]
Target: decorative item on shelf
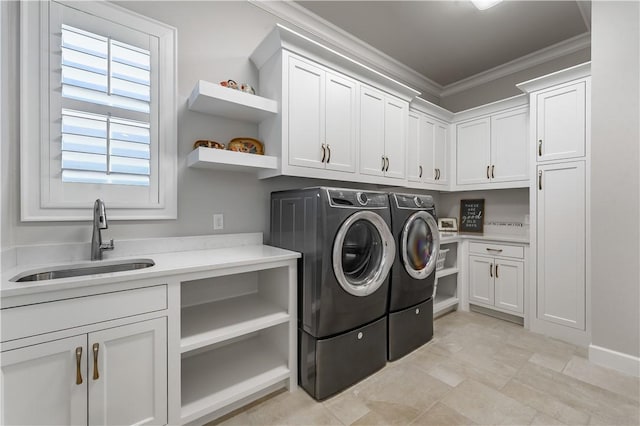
[(442, 257), (247, 89), (472, 215), (448, 224), (207, 144), (230, 84), (248, 145)]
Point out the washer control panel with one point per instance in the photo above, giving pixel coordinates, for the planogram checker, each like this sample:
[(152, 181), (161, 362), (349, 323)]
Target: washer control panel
[(415, 202), (357, 199)]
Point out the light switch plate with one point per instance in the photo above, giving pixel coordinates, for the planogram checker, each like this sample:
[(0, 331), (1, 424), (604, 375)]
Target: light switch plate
[(218, 221)]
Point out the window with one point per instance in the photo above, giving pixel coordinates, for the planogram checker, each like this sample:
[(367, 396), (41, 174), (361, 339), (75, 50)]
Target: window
[(98, 113)]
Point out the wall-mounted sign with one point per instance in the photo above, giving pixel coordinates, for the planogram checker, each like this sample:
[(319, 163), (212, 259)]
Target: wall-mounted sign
[(471, 215)]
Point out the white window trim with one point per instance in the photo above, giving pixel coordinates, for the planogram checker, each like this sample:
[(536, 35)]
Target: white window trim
[(34, 114)]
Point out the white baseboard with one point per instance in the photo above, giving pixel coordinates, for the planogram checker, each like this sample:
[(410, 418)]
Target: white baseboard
[(624, 363)]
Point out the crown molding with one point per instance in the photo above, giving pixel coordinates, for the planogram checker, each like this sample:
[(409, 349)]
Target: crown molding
[(555, 51), (341, 41), (558, 77)]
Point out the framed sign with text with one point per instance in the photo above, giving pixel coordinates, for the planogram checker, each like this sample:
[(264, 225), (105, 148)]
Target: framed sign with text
[(471, 216)]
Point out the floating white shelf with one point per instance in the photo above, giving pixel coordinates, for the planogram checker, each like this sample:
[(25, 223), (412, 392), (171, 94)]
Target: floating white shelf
[(220, 159), (211, 98), (443, 303), (211, 323), (446, 272), (217, 378)]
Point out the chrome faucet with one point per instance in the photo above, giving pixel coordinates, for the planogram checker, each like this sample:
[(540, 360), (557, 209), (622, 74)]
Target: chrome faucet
[(99, 222)]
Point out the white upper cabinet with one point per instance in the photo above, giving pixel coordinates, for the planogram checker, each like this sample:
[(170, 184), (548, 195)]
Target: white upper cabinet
[(509, 146), (427, 150), (473, 152), (560, 129), (322, 109), (492, 145), (383, 134)]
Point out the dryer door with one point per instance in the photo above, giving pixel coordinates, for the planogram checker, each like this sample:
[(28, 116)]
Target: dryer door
[(363, 252), (420, 245)]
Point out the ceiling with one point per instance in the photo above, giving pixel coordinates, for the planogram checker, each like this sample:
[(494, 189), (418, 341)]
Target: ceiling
[(448, 41)]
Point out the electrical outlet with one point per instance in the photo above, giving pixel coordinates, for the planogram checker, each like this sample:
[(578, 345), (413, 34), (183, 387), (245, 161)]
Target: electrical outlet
[(218, 221)]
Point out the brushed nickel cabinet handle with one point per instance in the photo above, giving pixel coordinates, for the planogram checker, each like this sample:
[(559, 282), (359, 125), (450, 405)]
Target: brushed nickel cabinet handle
[(491, 270), (420, 175), (496, 250), (78, 370), (324, 153), (96, 348), (540, 180), (329, 156), (387, 168), (435, 174), (383, 163), (488, 176), (492, 167), (540, 148), (497, 271), (438, 174)]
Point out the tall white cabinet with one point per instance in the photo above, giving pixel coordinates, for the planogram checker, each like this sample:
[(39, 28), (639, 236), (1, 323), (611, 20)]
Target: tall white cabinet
[(559, 197)]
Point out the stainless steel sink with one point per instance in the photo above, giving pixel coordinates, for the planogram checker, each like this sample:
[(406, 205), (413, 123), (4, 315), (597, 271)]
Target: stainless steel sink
[(83, 269)]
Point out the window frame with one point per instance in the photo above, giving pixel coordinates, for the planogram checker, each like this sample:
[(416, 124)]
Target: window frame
[(40, 201)]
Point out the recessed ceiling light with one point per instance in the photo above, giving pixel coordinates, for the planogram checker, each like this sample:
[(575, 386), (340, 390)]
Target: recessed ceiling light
[(485, 4)]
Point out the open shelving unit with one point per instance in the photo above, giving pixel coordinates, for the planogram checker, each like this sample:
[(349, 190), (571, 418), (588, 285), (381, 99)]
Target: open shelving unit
[(237, 339), (446, 290), (220, 159), (213, 99)]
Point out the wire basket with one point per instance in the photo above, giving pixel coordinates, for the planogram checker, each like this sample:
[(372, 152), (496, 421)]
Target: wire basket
[(442, 256)]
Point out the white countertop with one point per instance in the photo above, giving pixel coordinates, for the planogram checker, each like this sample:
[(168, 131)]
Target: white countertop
[(166, 264), (501, 238)]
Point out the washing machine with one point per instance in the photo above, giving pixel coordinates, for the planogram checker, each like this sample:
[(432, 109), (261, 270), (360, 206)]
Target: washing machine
[(415, 229), (343, 281)]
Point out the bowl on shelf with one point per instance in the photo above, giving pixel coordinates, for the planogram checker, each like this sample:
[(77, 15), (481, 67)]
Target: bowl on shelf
[(248, 145), (207, 144)]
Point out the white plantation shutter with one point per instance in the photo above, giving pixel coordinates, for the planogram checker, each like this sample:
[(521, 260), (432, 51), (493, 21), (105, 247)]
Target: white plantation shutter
[(103, 149), (98, 112)]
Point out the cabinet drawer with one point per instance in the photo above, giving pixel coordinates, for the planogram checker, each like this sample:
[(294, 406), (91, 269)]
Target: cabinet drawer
[(30, 320), (497, 250)]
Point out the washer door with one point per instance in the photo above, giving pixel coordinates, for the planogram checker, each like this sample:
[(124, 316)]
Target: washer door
[(363, 253), (420, 244)]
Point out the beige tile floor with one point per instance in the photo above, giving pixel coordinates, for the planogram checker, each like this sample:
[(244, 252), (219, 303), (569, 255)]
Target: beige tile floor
[(476, 370)]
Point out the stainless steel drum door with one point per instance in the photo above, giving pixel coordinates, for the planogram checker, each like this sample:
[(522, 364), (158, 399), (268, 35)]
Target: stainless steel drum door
[(420, 245), (363, 252)]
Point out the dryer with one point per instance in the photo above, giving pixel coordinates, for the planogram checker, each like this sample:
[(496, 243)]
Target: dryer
[(410, 317), (347, 252)]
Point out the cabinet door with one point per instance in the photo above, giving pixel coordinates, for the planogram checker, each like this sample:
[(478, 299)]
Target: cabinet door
[(473, 152), (372, 109), (481, 280), (561, 236), (509, 285), (395, 137), (340, 123), (306, 114), (441, 136), (415, 166), (561, 123), (427, 141), (128, 374), (509, 146), (40, 383)]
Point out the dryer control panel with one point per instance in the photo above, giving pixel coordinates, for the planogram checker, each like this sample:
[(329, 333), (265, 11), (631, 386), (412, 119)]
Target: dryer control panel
[(417, 202)]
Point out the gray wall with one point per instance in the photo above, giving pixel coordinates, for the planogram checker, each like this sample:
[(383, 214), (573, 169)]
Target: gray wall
[(506, 86), (615, 180)]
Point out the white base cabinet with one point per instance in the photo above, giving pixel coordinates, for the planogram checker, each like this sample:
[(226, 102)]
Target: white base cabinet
[(102, 375), (496, 277)]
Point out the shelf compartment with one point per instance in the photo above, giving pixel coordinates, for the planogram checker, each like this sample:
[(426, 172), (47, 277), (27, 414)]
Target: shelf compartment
[(442, 303), (221, 159), (211, 323), (214, 379), (446, 272), (211, 98)]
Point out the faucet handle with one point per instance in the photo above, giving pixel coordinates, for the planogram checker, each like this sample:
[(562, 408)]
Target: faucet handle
[(107, 246)]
